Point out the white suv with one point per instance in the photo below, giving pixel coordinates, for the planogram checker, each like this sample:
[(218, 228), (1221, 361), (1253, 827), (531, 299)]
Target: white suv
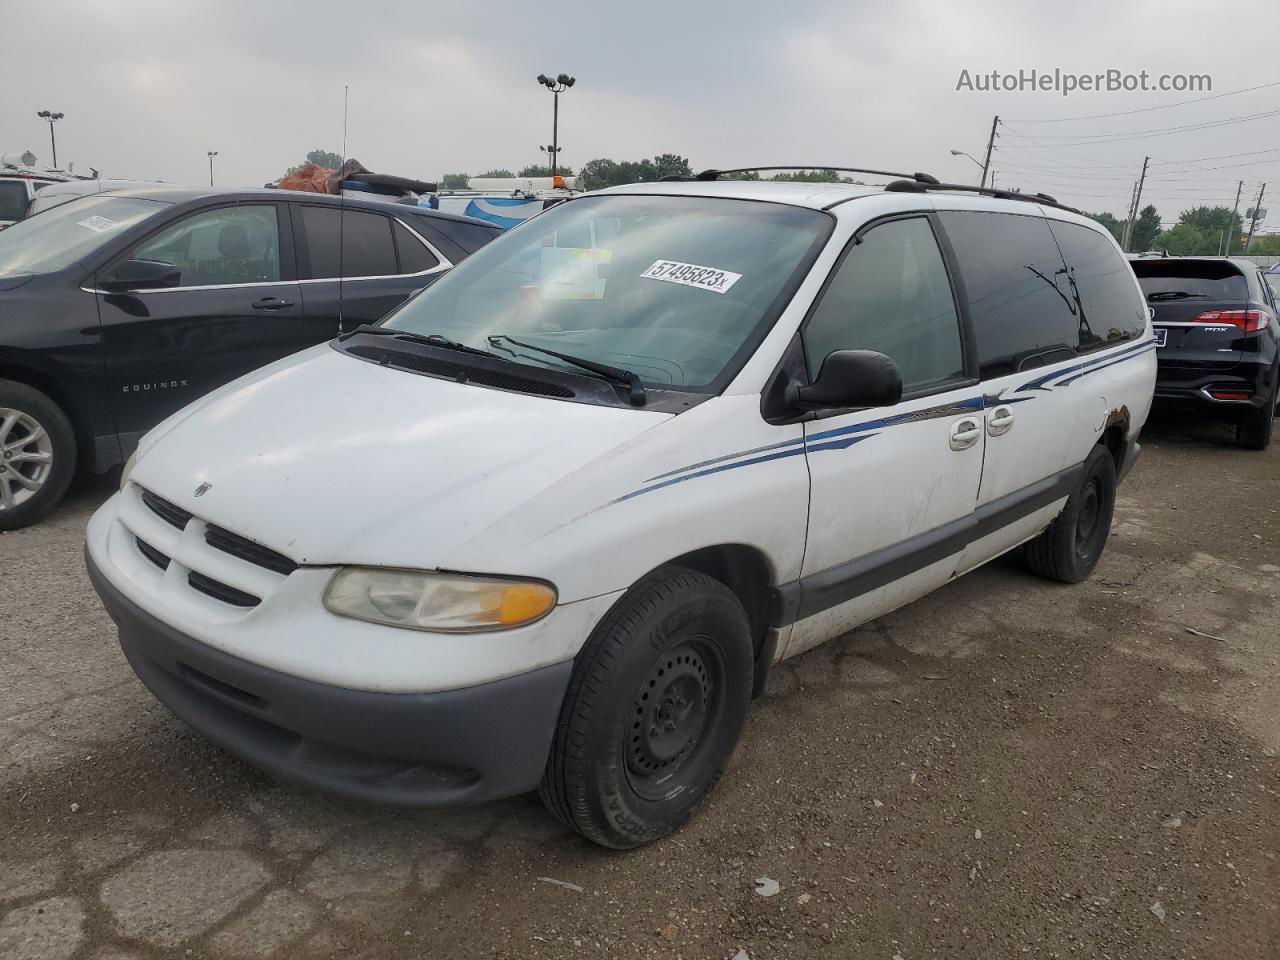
[(551, 522)]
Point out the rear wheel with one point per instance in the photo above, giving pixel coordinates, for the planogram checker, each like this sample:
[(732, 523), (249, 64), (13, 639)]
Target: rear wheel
[(654, 709), (1072, 545), (37, 454), (1254, 430)]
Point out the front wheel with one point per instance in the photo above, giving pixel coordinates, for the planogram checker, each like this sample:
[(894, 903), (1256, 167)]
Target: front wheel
[(1072, 545), (653, 711), (37, 454)]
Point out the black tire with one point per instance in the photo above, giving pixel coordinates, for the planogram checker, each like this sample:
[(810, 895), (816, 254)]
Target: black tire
[(1071, 546), (32, 407), (654, 709), (1255, 428)]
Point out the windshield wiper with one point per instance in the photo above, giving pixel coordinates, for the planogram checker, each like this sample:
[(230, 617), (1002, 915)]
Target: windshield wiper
[(616, 374), (1174, 295), (431, 339)]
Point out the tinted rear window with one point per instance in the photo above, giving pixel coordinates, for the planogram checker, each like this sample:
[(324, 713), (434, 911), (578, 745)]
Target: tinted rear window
[(1024, 315), (13, 200), (469, 236), (1197, 279), (1110, 311), (367, 247)]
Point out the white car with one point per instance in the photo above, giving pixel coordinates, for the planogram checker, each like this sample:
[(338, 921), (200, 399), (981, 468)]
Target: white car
[(552, 521)]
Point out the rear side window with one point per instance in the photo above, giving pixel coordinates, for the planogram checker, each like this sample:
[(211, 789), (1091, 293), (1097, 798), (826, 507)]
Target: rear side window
[(13, 199), (1019, 296), (1170, 280), (367, 248), (414, 257), (1102, 283), (891, 294)]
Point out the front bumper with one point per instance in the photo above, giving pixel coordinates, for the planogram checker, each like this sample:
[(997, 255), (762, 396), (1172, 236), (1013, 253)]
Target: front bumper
[(468, 745)]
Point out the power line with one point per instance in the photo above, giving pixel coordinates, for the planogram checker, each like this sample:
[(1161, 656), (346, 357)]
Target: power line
[(1081, 139), (1163, 106)]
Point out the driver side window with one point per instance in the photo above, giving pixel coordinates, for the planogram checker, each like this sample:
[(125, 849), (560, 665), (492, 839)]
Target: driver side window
[(216, 247), (891, 294)]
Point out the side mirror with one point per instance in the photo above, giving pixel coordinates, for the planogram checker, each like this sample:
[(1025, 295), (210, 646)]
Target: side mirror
[(141, 275), (853, 378)]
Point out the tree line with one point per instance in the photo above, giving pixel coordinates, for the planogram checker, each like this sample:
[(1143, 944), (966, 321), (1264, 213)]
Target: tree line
[(1199, 232)]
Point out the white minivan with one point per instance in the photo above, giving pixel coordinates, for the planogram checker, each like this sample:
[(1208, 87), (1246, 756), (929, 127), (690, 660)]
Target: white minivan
[(549, 524)]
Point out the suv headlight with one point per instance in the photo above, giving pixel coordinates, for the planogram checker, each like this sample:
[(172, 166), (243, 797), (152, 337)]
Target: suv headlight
[(441, 602)]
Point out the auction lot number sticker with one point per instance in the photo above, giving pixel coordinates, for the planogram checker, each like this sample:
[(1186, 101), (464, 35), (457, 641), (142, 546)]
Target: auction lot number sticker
[(692, 275)]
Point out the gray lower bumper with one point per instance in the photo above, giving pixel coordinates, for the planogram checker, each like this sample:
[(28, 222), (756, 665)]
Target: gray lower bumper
[(426, 749)]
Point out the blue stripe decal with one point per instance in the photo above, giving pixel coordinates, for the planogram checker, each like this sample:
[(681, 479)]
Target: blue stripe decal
[(841, 438)]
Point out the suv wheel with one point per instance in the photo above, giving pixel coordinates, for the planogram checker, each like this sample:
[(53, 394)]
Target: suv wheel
[(37, 454), (1254, 430), (653, 711), (1072, 545)]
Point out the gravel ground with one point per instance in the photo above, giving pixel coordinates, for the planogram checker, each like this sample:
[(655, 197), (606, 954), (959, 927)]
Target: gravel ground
[(1006, 768)]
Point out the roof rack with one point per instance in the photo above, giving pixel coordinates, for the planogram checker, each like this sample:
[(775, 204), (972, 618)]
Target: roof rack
[(714, 174), (918, 186)]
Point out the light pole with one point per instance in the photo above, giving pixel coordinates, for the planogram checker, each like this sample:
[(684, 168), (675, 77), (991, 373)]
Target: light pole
[(961, 153), (211, 154), (557, 86), (53, 143), (552, 153)]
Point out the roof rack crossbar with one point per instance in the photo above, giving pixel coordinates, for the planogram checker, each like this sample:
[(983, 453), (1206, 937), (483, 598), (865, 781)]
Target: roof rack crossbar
[(916, 186), (915, 177)]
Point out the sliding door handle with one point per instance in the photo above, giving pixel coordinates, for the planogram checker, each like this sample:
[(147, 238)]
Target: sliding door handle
[(965, 432)]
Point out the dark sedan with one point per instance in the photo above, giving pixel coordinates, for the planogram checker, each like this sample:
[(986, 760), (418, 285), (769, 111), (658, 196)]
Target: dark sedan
[(118, 309)]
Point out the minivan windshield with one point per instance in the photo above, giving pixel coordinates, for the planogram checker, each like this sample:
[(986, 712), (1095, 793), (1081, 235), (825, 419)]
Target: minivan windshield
[(59, 237), (675, 289)]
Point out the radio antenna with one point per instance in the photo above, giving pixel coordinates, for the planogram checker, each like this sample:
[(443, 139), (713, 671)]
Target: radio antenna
[(342, 202)]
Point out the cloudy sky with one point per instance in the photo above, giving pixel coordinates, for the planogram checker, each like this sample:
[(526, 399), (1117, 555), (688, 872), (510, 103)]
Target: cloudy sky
[(148, 86)]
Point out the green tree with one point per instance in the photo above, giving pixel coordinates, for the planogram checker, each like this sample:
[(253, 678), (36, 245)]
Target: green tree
[(1109, 221), (671, 165), (500, 172), (542, 170), (813, 176), (454, 181), (325, 158), (1264, 246), (1184, 240), (1145, 229), (603, 172)]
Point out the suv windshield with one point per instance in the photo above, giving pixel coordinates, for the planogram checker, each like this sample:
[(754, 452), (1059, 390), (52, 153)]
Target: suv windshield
[(672, 288), (61, 236), (1190, 279)]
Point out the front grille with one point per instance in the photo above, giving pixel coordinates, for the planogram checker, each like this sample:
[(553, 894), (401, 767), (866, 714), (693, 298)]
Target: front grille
[(152, 554), (246, 549), (221, 591), (170, 513), (463, 374)]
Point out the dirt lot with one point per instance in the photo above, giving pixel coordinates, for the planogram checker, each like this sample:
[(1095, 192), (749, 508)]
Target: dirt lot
[(1007, 768)]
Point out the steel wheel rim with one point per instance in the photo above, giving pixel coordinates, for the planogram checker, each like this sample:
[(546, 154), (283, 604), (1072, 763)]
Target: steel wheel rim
[(1089, 518), (673, 715), (26, 457)]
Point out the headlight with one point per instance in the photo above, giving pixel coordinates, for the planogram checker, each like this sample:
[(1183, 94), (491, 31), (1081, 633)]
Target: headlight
[(443, 602), (128, 469)]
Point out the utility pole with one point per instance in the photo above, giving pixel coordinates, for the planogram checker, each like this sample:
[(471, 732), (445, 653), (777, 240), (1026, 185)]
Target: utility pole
[(1231, 232), (52, 118), (1137, 202), (211, 154), (1257, 215), (557, 85), (1128, 218), (991, 142)]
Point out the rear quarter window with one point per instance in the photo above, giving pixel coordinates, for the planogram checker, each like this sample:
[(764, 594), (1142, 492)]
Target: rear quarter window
[(1019, 296), (1102, 283)]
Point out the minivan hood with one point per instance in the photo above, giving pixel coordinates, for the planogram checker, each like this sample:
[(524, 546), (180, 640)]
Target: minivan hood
[(333, 460)]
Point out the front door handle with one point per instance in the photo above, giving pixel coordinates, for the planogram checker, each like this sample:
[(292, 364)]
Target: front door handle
[(271, 303), (1000, 420), (965, 432)]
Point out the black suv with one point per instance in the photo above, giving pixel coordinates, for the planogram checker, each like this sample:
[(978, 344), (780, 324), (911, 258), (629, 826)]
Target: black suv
[(118, 309), (1215, 325)]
